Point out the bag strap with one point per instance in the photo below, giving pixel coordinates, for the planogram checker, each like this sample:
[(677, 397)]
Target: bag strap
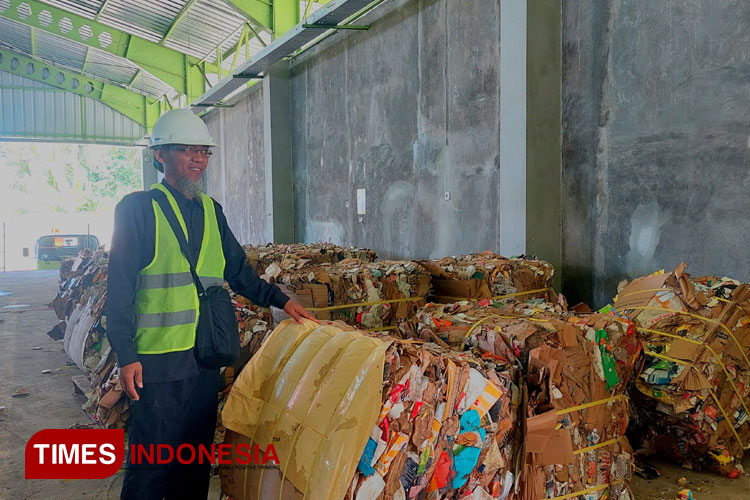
[(166, 207)]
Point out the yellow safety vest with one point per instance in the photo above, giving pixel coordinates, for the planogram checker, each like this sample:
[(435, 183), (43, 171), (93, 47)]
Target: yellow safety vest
[(166, 299)]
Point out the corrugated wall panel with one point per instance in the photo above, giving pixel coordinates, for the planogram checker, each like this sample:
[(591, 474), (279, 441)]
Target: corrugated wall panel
[(31, 110)]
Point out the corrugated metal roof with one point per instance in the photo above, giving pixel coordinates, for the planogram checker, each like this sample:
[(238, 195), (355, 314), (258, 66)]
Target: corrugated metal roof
[(206, 25), (110, 67), (15, 35), (59, 50), (26, 108), (144, 18), (151, 85), (86, 8)]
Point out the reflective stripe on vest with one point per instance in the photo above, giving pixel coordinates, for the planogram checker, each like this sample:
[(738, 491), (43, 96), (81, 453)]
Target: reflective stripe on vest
[(166, 300)]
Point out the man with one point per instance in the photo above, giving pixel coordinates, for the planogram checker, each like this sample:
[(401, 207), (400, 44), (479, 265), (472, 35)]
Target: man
[(152, 311)]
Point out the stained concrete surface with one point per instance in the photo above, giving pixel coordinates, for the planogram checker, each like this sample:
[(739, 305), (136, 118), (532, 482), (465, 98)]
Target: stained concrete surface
[(655, 140), (51, 403), (408, 111), (705, 486), (235, 176)]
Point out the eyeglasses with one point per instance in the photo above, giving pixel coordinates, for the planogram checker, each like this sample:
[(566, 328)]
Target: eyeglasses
[(193, 151)]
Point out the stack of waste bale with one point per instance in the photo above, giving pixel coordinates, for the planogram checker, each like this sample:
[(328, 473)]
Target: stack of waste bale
[(576, 369), (254, 323), (293, 256), (374, 295), (80, 303), (693, 391), (360, 416), (488, 275)]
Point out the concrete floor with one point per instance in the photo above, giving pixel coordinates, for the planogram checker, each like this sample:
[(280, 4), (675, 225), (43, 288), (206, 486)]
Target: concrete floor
[(51, 403)]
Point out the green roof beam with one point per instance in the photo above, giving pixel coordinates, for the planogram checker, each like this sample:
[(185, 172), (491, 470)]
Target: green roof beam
[(285, 16), (169, 65), (137, 107), (260, 11)]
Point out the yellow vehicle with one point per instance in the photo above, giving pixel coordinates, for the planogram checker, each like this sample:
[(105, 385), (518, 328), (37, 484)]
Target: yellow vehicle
[(54, 248)]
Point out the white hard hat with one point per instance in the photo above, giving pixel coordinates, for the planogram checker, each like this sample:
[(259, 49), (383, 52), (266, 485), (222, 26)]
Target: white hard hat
[(180, 126)]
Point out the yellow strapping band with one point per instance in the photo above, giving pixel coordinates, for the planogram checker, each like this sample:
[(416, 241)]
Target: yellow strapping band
[(587, 490), (365, 304), (662, 356), (589, 405), (726, 417), (642, 291), (703, 318), (496, 297), (598, 445), (383, 328)]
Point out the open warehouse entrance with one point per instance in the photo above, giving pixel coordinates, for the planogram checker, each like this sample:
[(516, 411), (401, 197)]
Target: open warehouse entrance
[(60, 198)]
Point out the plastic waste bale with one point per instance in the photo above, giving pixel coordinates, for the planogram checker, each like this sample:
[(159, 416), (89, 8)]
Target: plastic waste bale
[(298, 255), (576, 370), (373, 296), (357, 415), (487, 275), (692, 391)]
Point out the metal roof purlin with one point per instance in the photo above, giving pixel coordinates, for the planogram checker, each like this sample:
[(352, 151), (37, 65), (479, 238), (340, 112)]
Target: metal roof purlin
[(177, 19), (258, 10), (169, 65), (101, 9), (333, 13), (137, 107)]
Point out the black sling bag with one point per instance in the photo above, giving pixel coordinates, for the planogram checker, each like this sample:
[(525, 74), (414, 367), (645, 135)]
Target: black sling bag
[(217, 341)]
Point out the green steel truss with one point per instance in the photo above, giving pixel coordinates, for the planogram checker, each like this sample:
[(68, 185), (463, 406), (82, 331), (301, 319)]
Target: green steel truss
[(172, 67), (139, 108), (184, 73)]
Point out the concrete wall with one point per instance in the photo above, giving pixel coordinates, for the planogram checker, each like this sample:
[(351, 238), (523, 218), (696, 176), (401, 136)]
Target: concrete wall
[(236, 173), (408, 111), (655, 140)]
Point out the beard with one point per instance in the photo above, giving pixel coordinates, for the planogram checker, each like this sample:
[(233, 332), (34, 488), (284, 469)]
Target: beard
[(191, 189)]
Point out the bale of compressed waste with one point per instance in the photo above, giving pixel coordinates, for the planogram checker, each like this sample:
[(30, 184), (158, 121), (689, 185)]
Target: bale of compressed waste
[(374, 295), (576, 369), (487, 275), (80, 303), (298, 255), (349, 414), (692, 393)]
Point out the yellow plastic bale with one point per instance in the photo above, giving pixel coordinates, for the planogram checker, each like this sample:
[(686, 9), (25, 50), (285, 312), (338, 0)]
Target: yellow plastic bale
[(313, 392)]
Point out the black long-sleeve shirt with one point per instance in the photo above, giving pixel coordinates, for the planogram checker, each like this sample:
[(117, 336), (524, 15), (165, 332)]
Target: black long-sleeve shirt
[(133, 249)]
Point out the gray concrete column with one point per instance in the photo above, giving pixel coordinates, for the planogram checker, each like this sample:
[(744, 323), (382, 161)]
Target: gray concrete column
[(543, 136), (277, 141), (512, 127)]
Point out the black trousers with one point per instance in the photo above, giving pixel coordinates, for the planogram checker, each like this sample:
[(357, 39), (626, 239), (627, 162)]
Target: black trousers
[(172, 413)]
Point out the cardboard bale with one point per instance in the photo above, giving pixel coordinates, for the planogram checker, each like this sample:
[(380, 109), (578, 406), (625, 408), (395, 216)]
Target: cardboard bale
[(486, 275), (293, 256), (418, 421), (576, 369), (692, 392), (326, 289), (80, 303)]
